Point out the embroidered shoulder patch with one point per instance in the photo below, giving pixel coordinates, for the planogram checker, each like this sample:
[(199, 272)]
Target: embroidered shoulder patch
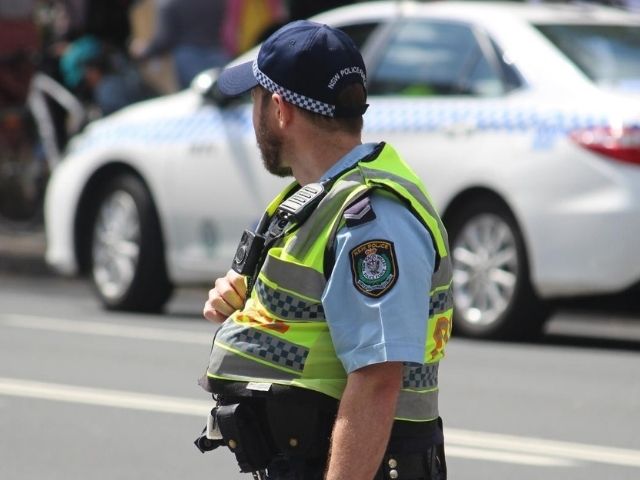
[(374, 267)]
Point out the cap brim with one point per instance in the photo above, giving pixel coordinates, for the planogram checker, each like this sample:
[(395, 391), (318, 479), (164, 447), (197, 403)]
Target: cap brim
[(237, 80)]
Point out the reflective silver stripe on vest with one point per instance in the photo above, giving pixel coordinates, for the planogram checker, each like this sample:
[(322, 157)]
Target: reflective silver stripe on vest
[(304, 280), (444, 274), (286, 305), (421, 376), (325, 212), (441, 301), (412, 188), (224, 363), (417, 405), (418, 195), (263, 346)]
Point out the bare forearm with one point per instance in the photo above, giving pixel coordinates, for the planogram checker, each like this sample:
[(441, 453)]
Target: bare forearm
[(363, 425)]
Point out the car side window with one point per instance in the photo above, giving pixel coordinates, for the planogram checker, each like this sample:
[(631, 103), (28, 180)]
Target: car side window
[(425, 57), (511, 77), (359, 32), (482, 80)]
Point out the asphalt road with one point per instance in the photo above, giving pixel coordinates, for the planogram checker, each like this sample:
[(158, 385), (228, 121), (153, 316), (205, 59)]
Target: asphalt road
[(86, 394)]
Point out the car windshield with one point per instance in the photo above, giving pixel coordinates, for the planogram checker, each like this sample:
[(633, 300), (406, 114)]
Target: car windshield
[(607, 54)]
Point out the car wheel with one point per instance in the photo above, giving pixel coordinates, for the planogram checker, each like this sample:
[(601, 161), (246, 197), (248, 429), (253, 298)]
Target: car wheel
[(492, 291), (127, 254)]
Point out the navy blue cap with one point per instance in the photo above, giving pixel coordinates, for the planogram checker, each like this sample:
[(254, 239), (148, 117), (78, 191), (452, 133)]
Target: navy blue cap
[(307, 63)]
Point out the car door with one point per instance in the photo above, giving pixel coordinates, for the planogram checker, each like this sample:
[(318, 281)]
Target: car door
[(435, 86), (219, 185)]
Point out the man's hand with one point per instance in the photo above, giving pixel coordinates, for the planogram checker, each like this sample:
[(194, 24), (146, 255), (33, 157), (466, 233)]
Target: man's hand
[(227, 296), (364, 421)]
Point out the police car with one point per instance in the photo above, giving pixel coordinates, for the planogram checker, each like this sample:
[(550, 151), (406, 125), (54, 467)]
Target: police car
[(523, 120)]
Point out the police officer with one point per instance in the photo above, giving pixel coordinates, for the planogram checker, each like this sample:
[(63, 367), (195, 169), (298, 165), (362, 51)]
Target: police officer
[(338, 306)]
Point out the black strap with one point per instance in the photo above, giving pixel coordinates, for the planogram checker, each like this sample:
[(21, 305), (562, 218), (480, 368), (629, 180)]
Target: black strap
[(230, 389)]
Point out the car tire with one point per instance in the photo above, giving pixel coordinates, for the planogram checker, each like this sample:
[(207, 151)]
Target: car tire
[(127, 264), (493, 296)]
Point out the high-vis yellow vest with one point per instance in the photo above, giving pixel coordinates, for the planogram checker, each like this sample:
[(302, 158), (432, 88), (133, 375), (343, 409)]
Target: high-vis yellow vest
[(282, 337)]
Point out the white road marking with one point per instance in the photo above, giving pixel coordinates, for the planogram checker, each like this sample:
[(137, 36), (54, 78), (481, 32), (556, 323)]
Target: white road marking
[(568, 450), (102, 397), (460, 443), (453, 450), (105, 329)]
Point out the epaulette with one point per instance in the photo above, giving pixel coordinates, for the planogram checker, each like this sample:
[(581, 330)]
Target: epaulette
[(359, 212)]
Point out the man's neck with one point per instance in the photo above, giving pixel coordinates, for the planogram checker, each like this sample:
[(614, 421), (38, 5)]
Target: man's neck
[(313, 156)]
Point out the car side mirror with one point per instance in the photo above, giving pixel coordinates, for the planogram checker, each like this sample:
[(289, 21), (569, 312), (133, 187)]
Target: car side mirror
[(205, 84)]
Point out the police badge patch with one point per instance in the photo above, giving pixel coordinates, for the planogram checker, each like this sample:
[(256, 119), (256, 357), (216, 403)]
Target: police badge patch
[(374, 267)]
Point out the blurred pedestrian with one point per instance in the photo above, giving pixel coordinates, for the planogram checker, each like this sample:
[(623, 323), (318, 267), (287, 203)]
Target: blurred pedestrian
[(101, 76), (19, 44), (299, 9), (248, 22), (106, 20), (191, 31)]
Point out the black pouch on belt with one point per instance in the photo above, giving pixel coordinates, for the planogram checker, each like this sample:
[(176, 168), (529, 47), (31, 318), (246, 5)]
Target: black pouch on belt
[(241, 432), (299, 429)]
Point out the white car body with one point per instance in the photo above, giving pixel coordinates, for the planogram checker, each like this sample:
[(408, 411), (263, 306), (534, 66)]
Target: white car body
[(578, 211)]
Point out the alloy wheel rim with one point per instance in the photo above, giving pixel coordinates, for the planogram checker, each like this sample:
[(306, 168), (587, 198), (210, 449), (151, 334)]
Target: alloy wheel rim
[(485, 269), (116, 244)]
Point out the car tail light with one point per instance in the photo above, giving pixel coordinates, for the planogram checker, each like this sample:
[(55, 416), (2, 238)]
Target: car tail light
[(618, 143)]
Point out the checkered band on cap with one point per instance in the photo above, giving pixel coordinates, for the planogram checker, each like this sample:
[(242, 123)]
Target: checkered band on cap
[(297, 99)]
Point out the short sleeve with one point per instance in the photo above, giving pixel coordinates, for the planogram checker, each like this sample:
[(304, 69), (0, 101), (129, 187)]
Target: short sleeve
[(377, 298)]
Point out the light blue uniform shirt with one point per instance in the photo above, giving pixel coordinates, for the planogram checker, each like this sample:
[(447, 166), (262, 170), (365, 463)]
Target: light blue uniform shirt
[(392, 327)]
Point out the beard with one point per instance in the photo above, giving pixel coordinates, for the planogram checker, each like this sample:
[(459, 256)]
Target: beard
[(270, 145)]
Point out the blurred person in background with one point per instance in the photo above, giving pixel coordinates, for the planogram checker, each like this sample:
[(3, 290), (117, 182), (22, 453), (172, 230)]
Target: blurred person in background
[(19, 44), (107, 20), (248, 22), (191, 31), (299, 9), (101, 76)]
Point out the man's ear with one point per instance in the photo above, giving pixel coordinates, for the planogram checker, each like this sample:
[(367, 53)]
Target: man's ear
[(284, 111)]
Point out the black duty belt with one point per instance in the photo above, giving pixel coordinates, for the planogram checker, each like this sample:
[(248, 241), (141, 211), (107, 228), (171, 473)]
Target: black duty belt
[(294, 422), (405, 436)]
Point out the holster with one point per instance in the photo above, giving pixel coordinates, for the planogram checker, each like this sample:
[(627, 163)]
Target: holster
[(260, 426), (408, 458), (242, 433), (298, 430)]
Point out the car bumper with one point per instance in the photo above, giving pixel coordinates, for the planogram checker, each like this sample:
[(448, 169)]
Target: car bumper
[(59, 211), (589, 244)]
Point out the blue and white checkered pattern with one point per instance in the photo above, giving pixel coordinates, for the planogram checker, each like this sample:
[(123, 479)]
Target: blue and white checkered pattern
[(423, 376), (297, 99), (206, 125), (441, 302), (272, 349), (287, 306), (209, 124)]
